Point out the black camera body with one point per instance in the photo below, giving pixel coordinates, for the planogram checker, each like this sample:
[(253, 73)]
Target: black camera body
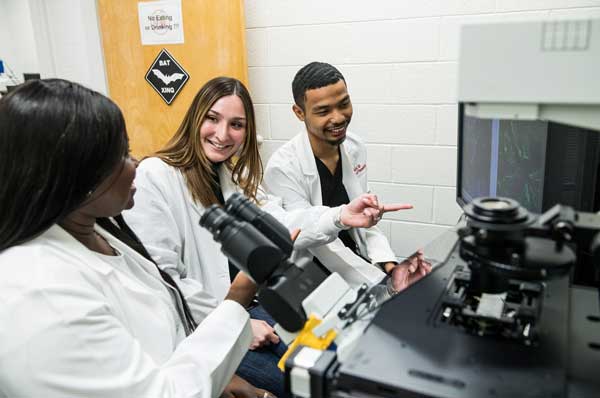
[(260, 246)]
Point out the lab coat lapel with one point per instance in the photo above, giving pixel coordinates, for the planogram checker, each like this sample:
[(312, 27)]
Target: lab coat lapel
[(134, 284), (309, 168), (56, 236), (349, 179), (128, 251), (228, 188), (73, 248), (354, 190)]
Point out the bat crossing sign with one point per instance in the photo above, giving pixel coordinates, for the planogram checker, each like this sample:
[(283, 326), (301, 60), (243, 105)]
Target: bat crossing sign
[(166, 76)]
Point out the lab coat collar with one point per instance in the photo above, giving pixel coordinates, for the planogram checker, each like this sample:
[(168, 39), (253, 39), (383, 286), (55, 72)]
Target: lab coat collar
[(309, 167), (349, 179), (67, 244), (128, 251), (57, 237), (306, 155), (148, 266), (227, 188)]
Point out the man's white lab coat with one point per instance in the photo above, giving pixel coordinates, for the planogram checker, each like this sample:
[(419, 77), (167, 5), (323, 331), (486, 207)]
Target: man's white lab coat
[(292, 175)]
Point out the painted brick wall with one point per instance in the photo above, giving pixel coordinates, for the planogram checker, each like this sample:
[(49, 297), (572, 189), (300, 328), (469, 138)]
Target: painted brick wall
[(399, 58)]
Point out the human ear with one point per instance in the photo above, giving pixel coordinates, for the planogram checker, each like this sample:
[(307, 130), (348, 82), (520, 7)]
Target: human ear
[(298, 112)]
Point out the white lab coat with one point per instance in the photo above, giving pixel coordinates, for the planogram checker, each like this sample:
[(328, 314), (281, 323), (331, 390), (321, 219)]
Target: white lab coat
[(166, 219), (292, 175), (73, 324)]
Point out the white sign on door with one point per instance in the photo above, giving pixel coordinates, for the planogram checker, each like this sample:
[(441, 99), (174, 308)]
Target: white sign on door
[(161, 22)]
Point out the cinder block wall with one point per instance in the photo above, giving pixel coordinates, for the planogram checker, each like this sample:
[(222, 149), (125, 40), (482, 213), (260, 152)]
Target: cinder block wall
[(399, 58)]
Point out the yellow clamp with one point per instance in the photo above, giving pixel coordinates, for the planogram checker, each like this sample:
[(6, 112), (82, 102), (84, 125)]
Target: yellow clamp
[(307, 338)]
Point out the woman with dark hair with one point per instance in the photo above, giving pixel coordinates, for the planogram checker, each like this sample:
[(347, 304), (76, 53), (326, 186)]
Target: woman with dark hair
[(213, 154), (83, 309)]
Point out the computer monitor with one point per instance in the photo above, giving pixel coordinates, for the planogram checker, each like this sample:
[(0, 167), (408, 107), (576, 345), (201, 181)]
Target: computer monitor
[(537, 163)]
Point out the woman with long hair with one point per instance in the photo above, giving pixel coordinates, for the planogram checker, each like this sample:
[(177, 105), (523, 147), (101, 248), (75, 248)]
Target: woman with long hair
[(84, 310), (213, 154)]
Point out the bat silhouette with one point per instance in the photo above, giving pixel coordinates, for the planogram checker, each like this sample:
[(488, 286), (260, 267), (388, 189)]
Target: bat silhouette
[(167, 79)]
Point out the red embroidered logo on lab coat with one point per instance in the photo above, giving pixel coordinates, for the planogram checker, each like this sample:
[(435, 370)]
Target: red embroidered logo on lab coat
[(359, 167)]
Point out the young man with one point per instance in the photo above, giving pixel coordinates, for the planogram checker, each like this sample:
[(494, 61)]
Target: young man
[(326, 165)]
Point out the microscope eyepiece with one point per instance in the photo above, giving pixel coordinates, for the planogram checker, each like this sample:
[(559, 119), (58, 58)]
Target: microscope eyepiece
[(241, 207), (259, 245), (243, 244), (215, 219)]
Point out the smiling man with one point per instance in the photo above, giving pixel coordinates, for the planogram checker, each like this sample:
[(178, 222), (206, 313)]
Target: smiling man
[(326, 165)]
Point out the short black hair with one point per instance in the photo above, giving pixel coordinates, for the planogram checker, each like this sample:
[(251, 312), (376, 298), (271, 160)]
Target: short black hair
[(311, 76), (58, 141)]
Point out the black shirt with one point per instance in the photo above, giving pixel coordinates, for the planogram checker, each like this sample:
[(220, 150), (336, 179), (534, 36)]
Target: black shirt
[(333, 194), (216, 187)]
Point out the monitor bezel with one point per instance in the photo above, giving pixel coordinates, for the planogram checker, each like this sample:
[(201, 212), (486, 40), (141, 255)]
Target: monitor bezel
[(459, 199)]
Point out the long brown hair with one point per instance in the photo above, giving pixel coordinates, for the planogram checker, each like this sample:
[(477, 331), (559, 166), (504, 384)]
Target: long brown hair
[(184, 150)]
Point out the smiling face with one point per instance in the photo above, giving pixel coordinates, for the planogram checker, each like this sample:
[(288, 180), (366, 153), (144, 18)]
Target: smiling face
[(223, 130), (327, 114)]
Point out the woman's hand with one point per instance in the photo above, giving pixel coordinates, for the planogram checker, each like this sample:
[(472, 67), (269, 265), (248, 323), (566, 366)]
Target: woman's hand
[(240, 388), (366, 211), (262, 334)]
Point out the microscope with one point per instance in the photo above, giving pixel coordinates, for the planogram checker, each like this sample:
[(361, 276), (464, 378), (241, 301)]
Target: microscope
[(496, 310), (510, 257), (260, 246), (513, 309)]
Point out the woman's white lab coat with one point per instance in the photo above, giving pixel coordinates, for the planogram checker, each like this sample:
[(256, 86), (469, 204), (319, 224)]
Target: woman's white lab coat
[(292, 175), (166, 219), (73, 324)]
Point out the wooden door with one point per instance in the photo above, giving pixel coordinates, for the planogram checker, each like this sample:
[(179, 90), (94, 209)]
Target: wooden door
[(214, 34)]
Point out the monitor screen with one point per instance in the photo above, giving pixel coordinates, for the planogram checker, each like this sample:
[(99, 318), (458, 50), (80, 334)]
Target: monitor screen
[(537, 163)]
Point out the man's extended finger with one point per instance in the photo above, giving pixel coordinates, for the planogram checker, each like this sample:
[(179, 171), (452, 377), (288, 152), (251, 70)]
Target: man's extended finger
[(396, 207)]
